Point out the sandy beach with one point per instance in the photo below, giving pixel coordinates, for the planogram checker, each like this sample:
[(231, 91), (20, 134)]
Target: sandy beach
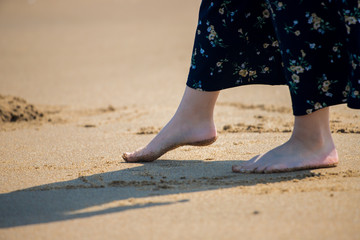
[(83, 81)]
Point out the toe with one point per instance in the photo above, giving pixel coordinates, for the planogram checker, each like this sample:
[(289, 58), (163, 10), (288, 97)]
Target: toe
[(241, 169), (277, 168), (237, 169), (260, 169), (253, 169), (125, 156), (128, 157), (257, 170), (250, 168)]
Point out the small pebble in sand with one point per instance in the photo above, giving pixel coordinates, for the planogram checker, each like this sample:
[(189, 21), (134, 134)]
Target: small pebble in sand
[(227, 127), (89, 125)]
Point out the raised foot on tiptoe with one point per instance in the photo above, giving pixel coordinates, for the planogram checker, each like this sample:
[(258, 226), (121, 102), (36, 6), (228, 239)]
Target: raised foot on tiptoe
[(146, 155), (287, 158), (172, 137)]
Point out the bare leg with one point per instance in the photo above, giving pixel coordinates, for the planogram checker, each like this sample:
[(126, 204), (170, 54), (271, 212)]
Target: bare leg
[(310, 146), (192, 124)]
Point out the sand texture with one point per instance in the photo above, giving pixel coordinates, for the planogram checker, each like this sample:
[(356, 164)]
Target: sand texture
[(83, 81)]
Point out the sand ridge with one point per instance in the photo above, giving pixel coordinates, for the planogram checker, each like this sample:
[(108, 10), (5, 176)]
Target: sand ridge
[(18, 110)]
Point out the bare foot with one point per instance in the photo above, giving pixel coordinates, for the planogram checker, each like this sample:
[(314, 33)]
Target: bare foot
[(173, 135), (291, 156), (310, 146), (192, 124)]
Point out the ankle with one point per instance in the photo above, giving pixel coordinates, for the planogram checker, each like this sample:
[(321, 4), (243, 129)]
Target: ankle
[(193, 117), (314, 141), (195, 114), (313, 130)]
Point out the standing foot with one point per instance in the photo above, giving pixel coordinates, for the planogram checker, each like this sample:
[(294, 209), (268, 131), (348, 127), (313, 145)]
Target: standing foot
[(310, 146), (291, 156)]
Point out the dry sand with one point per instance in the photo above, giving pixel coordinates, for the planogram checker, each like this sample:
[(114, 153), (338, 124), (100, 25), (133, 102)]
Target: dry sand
[(82, 81)]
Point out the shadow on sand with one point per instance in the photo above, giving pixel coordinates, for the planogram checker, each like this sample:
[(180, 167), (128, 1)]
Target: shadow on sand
[(123, 190)]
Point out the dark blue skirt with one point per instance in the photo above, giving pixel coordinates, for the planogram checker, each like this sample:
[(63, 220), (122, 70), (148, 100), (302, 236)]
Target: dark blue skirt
[(312, 46)]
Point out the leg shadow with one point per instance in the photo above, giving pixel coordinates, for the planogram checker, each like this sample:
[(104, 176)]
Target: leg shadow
[(124, 190)]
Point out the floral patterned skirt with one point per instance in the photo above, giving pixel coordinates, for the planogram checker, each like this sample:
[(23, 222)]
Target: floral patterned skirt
[(312, 46)]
